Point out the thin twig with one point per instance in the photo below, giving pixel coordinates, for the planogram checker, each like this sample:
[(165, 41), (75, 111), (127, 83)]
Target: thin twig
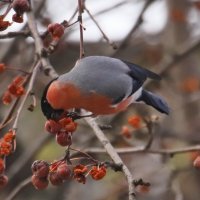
[(142, 149), (111, 43), (47, 68), (80, 28), (15, 34), (19, 187), (113, 154), (173, 62), (30, 87), (137, 24)]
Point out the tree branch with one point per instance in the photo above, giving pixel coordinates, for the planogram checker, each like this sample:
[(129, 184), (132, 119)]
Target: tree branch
[(113, 154), (80, 8), (19, 187), (142, 149)]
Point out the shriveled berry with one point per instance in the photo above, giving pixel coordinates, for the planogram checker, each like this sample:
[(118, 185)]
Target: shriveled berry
[(7, 98), (56, 30), (63, 138), (4, 25), (39, 183), (3, 180), (54, 178), (21, 6), (98, 173), (81, 178), (17, 18), (12, 89), (63, 171), (40, 168), (52, 126), (18, 80)]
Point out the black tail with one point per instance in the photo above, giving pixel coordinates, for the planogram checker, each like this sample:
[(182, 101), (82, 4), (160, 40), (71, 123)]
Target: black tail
[(155, 101)]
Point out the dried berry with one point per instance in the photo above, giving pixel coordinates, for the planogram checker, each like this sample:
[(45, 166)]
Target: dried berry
[(9, 136), (7, 98), (52, 126), (39, 183), (20, 91), (12, 89), (5, 148), (63, 171), (17, 18), (18, 80), (21, 6), (98, 173), (80, 178), (80, 169), (63, 138), (56, 30), (4, 25), (55, 179), (40, 168)]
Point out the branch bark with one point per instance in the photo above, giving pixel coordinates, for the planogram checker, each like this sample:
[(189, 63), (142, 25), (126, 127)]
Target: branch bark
[(113, 154)]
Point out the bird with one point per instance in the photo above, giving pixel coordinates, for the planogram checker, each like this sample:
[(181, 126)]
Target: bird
[(101, 85)]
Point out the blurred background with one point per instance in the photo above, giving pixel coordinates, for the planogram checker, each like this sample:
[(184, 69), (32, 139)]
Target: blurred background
[(161, 35)]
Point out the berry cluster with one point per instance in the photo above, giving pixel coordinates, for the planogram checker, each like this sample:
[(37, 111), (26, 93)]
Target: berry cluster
[(15, 89), (63, 130), (4, 24), (6, 148), (20, 7), (135, 122), (59, 171)]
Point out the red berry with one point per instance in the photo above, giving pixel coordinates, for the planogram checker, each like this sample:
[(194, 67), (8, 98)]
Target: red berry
[(3, 180), (71, 127), (21, 6), (18, 80), (55, 178), (63, 171), (52, 126), (12, 89), (63, 138), (4, 25), (56, 30), (7, 98), (39, 183), (40, 168), (17, 18)]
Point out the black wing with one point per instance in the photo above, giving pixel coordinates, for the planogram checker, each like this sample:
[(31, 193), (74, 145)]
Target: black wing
[(140, 73)]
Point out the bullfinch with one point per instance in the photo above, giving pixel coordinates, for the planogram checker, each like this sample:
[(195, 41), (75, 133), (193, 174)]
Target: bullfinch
[(101, 85)]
